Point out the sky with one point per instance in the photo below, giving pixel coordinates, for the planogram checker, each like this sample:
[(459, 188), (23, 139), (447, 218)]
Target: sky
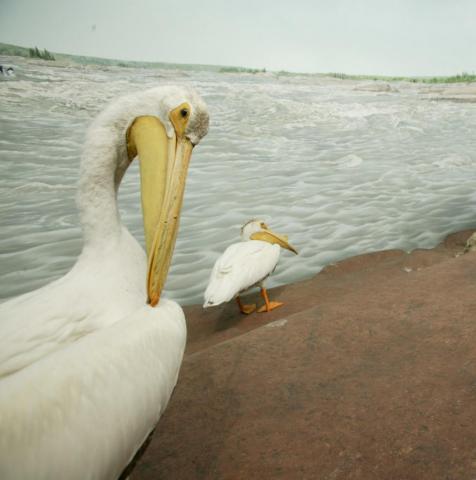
[(399, 37)]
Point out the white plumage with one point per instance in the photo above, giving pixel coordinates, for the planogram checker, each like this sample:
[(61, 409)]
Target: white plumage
[(86, 366), (242, 266), (246, 264)]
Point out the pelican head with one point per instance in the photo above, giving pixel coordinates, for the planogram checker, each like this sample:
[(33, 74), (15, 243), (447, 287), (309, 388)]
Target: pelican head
[(258, 230), (159, 127)]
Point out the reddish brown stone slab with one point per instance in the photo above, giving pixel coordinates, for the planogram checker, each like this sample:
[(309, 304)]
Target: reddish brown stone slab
[(374, 378), (210, 326)]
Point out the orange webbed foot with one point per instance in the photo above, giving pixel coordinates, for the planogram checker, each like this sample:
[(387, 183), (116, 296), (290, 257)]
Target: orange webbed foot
[(245, 309), (270, 306)]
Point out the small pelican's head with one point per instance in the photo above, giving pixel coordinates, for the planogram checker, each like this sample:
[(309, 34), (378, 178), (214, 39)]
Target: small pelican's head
[(258, 230), (252, 226), (160, 127)]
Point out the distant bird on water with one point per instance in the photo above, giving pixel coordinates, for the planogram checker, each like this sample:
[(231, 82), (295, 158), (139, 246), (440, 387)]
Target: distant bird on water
[(246, 264)]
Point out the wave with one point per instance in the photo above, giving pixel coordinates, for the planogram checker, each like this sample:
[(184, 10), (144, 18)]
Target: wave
[(341, 171)]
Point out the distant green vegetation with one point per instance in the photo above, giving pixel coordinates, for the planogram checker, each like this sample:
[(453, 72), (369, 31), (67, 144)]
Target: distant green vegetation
[(15, 50), (241, 70), (44, 55), (459, 78)]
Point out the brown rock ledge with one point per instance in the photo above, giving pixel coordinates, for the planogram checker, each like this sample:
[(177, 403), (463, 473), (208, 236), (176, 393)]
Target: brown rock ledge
[(367, 372)]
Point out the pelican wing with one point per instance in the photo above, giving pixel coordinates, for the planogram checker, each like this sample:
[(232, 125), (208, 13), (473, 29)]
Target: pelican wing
[(241, 266), (94, 402), (38, 323)]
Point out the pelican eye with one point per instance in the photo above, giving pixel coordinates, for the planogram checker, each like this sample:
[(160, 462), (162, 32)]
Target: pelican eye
[(184, 112)]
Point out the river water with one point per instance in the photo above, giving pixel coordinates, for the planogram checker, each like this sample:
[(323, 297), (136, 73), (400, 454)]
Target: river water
[(342, 167)]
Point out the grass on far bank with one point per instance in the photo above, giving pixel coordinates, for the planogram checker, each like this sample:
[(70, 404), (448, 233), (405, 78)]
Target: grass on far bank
[(459, 78), (44, 55), (241, 70), (15, 50)]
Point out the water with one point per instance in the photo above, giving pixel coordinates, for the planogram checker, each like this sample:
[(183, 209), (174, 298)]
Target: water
[(338, 167)]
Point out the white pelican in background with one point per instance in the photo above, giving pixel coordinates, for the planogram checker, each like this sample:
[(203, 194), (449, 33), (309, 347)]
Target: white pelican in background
[(87, 364), (246, 264)]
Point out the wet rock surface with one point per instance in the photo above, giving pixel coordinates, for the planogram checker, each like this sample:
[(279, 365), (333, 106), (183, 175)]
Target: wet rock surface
[(461, 93), (367, 372)]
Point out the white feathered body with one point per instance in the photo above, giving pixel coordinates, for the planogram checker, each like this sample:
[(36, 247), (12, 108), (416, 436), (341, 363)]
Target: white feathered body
[(241, 266), (86, 368)]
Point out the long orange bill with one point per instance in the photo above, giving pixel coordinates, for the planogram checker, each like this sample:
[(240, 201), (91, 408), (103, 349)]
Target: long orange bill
[(269, 236), (163, 165)]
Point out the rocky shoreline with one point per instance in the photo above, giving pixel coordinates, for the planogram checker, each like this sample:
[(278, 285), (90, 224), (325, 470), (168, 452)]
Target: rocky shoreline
[(367, 372)]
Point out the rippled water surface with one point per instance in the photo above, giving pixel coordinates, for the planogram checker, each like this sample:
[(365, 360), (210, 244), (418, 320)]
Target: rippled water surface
[(341, 168)]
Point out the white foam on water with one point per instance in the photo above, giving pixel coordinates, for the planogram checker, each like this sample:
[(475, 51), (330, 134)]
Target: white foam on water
[(348, 161), (341, 171)]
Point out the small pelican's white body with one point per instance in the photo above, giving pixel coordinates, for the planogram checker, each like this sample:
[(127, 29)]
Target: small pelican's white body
[(242, 266), (246, 264), (86, 366)]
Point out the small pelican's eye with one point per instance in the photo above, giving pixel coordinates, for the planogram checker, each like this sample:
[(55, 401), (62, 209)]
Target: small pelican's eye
[(184, 112), (263, 225)]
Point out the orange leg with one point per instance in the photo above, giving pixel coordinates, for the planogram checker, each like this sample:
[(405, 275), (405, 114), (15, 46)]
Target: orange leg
[(246, 309), (268, 306)]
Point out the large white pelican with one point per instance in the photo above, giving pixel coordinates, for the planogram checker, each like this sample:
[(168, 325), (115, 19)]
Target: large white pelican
[(88, 362), (246, 264)]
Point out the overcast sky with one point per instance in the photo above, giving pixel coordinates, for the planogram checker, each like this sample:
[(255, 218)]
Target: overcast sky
[(400, 37)]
